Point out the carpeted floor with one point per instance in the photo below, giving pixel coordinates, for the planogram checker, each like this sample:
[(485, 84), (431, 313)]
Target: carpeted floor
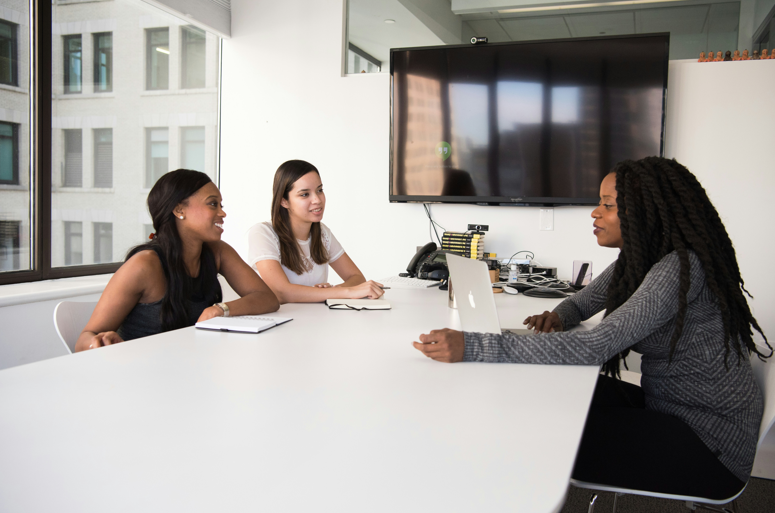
[(758, 497)]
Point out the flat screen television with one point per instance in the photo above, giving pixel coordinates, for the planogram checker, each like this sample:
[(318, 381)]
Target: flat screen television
[(532, 123)]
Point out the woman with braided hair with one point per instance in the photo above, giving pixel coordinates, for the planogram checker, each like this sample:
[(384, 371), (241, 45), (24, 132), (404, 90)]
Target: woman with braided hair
[(674, 295)]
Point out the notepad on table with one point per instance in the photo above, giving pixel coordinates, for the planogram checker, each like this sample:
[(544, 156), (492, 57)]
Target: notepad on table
[(358, 304), (242, 323)]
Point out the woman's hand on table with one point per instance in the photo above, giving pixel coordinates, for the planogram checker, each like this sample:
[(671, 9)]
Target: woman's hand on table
[(546, 322), (369, 289), (210, 312), (442, 345), (106, 338)]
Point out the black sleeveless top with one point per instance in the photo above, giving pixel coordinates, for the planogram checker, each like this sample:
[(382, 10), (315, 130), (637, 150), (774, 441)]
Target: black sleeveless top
[(145, 318)]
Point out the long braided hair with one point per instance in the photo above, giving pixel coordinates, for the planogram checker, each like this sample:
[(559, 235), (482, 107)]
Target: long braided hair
[(663, 208), (168, 192)]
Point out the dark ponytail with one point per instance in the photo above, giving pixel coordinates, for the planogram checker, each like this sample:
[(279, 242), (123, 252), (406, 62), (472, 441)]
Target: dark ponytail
[(171, 190)]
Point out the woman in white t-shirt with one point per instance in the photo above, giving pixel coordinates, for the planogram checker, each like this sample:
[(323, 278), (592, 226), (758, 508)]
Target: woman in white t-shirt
[(293, 252)]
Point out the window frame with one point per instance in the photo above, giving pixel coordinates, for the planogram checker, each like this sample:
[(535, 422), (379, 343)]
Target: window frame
[(15, 142), (185, 45), (95, 157), (14, 53), (96, 60), (66, 88), (41, 88), (149, 48)]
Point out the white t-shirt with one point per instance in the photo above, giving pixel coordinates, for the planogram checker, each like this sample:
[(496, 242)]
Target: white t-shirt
[(263, 244)]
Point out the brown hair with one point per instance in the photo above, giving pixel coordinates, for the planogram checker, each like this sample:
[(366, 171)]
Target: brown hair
[(290, 252)]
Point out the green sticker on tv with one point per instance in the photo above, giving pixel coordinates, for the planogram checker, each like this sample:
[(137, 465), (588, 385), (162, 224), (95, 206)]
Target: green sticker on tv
[(443, 150)]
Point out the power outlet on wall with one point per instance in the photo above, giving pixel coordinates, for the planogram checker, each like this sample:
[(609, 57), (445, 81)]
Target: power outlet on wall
[(546, 221)]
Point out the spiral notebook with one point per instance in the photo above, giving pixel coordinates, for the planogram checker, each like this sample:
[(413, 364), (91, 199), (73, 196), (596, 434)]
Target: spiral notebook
[(242, 323)]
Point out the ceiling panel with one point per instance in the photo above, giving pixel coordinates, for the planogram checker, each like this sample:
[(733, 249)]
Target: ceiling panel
[(490, 29), (609, 23), (676, 20), (525, 29)]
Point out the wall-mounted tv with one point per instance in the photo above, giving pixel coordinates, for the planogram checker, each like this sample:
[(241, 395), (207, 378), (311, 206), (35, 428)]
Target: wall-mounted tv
[(534, 123)]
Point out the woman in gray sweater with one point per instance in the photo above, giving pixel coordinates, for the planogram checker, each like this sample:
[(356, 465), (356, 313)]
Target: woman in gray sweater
[(674, 295)]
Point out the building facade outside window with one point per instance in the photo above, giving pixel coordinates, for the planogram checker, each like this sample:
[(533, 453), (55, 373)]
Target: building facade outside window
[(157, 58), (103, 62), (73, 164), (103, 157), (109, 143), (103, 242), (73, 243), (10, 239), (192, 146), (72, 63), (193, 44), (9, 153), (9, 71), (157, 154)]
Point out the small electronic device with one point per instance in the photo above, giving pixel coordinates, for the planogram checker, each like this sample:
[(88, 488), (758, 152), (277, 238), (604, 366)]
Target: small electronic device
[(478, 40), (510, 290), (429, 263)]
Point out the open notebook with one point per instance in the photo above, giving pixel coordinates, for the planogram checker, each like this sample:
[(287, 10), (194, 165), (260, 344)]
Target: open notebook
[(243, 323)]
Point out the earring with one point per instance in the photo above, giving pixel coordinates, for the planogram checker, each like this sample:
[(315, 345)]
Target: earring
[(181, 217)]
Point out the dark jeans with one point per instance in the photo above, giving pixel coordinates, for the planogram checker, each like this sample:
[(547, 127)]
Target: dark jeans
[(625, 445)]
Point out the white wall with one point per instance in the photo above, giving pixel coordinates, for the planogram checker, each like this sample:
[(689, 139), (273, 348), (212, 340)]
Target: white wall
[(287, 100), (28, 334)]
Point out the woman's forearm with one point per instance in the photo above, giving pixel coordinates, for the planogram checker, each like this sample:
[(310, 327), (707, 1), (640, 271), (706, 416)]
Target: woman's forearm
[(355, 279), (259, 302)]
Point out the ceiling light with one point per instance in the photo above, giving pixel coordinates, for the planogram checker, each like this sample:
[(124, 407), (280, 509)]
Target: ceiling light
[(390, 22), (583, 6)]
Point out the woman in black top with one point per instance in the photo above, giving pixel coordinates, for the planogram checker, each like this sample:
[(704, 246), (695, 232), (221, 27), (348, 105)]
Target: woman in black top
[(171, 282)]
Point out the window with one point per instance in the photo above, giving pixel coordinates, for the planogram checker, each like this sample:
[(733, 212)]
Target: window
[(103, 242), (157, 154), (103, 62), (193, 58), (72, 61), (73, 165), (9, 153), (192, 155), (73, 243), (9, 245), (73, 199), (157, 58), (8, 54), (103, 157)]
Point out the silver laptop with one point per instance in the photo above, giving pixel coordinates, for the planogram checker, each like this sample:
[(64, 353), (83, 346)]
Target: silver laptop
[(475, 302)]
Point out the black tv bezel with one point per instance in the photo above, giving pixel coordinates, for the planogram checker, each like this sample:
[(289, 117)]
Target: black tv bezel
[(507, 200)]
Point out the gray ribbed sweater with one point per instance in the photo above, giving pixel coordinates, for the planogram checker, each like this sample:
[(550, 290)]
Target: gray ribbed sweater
[(724, 407)]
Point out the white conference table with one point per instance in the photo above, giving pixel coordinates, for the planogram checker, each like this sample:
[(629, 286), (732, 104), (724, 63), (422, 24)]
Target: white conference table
[(334, 411)]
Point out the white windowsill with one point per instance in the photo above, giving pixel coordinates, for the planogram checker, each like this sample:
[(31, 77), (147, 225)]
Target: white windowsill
[(33, 292), (79, 190), (165, 92)]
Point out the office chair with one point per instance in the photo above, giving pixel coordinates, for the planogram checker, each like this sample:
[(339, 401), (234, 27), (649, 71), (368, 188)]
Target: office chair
[(70, 317), (764, 373)]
